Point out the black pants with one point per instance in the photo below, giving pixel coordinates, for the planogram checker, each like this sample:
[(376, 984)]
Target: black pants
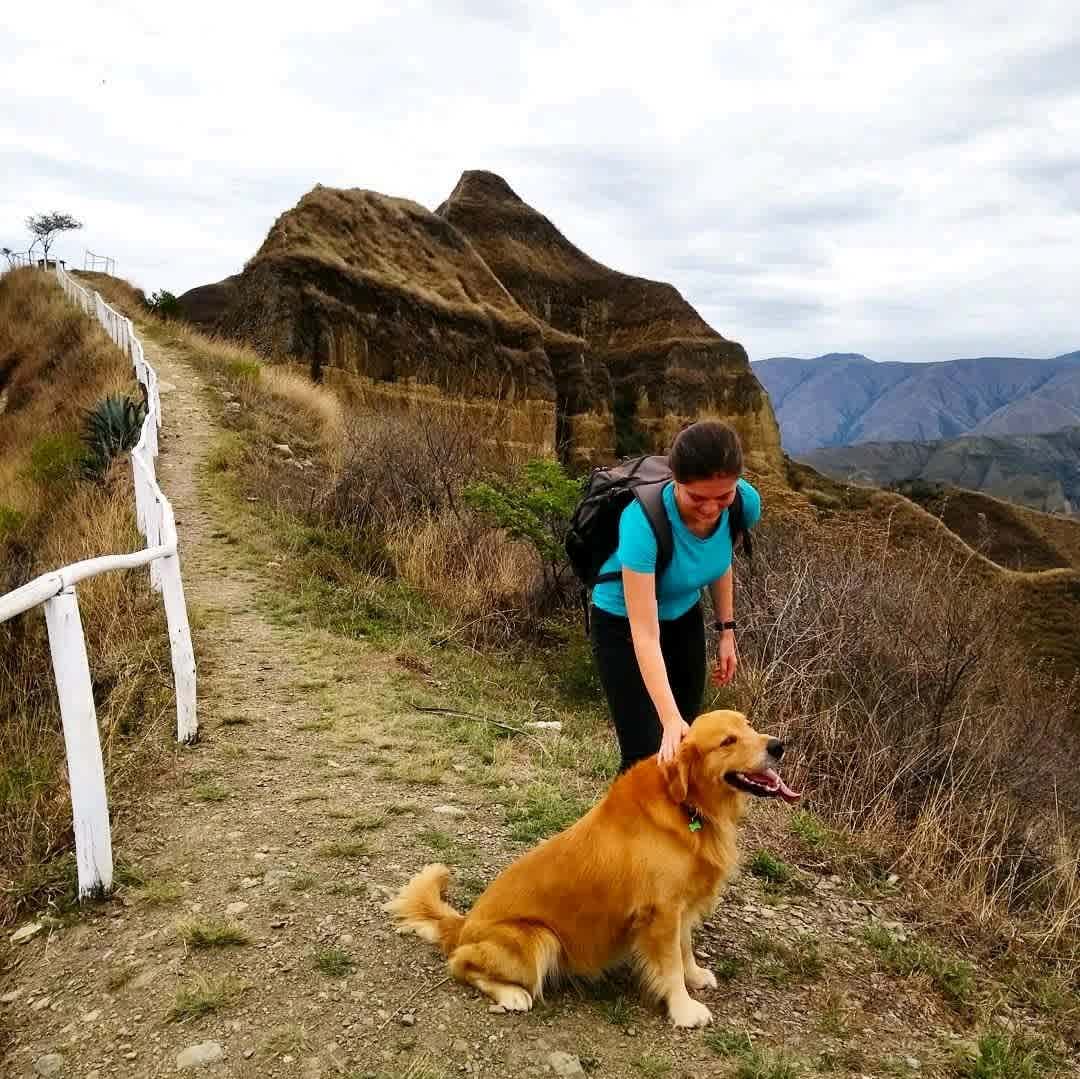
[(682, 644)]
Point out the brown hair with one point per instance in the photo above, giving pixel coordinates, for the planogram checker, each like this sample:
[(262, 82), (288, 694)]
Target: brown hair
[(705, 449)]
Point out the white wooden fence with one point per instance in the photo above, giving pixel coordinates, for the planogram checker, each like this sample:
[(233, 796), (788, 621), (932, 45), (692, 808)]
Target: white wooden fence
[(56, 591)]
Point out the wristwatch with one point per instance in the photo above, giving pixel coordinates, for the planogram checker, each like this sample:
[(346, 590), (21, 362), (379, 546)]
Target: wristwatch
[(721, 626)]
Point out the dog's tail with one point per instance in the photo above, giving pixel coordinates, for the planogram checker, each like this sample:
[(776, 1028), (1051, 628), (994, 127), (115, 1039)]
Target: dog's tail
[(420, 907)]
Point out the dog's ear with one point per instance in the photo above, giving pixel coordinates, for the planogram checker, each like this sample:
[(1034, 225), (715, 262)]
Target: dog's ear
[(677, 772)]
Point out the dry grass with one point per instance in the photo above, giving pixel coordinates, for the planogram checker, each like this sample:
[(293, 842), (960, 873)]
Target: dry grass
[(54, 363)]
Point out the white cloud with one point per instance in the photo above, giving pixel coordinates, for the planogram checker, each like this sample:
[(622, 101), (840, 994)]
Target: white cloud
[(893, 178)]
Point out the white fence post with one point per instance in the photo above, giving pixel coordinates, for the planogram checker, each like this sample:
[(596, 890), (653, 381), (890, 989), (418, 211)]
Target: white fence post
[(183, 654), (86, 772)]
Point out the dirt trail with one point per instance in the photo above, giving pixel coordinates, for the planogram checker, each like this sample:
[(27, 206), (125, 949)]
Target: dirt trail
[(298, 729)]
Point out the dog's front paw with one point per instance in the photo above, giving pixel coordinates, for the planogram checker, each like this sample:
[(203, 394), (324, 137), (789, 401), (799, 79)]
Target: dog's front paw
[(689, 1013), (700, 978), (512, 998)]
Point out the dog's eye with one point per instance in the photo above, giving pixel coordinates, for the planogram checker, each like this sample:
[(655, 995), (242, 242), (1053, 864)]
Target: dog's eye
[(730, 740)]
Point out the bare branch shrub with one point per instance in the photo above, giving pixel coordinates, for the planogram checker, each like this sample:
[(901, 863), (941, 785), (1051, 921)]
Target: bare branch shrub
[(912, 715)]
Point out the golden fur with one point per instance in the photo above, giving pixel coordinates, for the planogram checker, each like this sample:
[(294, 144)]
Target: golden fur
[(630, 879)]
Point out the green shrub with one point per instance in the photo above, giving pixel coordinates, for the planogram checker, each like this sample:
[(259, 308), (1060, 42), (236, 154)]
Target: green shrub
[(535, 507), (164, 304), (112, 427)]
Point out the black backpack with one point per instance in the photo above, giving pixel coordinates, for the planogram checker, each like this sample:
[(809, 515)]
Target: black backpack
[(594, 528)]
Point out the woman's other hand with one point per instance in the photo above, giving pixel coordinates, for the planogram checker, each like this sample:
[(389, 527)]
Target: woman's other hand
[(675, 730), (724, 669)]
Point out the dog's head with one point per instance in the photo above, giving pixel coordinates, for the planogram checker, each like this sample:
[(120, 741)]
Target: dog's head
[(723, 756)]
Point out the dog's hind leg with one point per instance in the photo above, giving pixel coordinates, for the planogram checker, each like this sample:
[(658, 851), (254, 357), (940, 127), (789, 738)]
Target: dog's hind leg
[(508, 963), (659, 949)]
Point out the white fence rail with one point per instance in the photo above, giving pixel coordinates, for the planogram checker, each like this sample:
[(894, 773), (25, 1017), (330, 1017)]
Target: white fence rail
[(56, 591), (98, 262)]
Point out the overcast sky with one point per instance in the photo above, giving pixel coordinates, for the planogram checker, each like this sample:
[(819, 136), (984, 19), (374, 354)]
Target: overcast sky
[(898, 179)]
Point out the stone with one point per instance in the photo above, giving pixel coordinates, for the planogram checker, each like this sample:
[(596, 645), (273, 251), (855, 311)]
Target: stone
[(10, 998), (235, 909), (248, 1053), (146, 978), (49, 1064), (448, 811), (276, 877), (335, 1056), (408, 1020), (199, 1056), (26, 932), (283, 448), (563, 1064), (913, 1063), (41, 1003), (545, 725)]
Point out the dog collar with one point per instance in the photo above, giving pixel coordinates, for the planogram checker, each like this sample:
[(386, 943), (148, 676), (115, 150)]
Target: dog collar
[(696, 818)]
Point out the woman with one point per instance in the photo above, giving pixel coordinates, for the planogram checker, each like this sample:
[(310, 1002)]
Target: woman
[(649, 641)]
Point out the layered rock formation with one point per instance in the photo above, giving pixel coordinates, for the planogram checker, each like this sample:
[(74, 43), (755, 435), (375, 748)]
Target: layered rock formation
[(388, 292), (664, 364), (484, 305)]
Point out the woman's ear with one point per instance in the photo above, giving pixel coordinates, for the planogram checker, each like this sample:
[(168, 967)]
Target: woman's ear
[(677, 772)]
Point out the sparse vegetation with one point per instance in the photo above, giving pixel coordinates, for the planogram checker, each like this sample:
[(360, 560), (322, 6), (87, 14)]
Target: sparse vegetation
[(345, 848), (542, 811), (953, 978), (772, 871), (202, 995), (212, 933), (335, 962), (1000, 1055), (797, 958)]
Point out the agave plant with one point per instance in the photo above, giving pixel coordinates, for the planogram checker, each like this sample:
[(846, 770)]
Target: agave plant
[(110, 428)]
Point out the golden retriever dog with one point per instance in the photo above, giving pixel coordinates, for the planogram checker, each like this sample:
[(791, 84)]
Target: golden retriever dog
[(630, 879)]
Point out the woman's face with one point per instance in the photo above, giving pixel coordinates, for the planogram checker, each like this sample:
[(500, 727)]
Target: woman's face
[(701, 502)]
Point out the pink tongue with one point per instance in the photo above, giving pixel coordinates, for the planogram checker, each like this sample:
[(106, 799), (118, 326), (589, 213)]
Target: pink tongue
[(788, 794), (774, 780)]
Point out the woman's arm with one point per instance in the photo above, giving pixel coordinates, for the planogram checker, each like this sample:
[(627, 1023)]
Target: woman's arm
[(723, 597), (640, 592)]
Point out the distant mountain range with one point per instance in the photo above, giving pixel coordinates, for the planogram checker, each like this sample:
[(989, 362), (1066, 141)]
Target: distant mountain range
[(1040, 471), (845, 398)]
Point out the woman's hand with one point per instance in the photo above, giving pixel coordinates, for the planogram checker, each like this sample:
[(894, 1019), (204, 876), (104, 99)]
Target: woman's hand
[(675, 730), (724, 669)]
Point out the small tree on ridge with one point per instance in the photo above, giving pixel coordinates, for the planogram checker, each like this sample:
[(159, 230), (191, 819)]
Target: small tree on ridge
[(46, 227)]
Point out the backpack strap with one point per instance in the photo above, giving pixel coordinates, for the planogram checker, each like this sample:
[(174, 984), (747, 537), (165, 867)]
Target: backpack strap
[(651, 497), (737, 527)]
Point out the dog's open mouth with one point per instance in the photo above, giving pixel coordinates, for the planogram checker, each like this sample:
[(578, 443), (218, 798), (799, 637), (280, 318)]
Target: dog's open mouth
[(767, 784)]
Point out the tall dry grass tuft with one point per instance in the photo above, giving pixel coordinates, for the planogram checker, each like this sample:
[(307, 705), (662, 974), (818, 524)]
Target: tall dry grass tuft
[(54, 364), (916, 719)]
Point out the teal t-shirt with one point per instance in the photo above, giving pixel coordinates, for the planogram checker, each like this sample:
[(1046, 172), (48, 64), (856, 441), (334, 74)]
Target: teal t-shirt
[(695, 562)]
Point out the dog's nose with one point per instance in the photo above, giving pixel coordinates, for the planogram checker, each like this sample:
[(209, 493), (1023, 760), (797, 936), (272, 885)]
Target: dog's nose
[(776, 748)]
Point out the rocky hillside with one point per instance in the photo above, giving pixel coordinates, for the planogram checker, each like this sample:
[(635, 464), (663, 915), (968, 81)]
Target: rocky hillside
[(650, 361), (844, 398), (486, 305), (1040, 471)]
